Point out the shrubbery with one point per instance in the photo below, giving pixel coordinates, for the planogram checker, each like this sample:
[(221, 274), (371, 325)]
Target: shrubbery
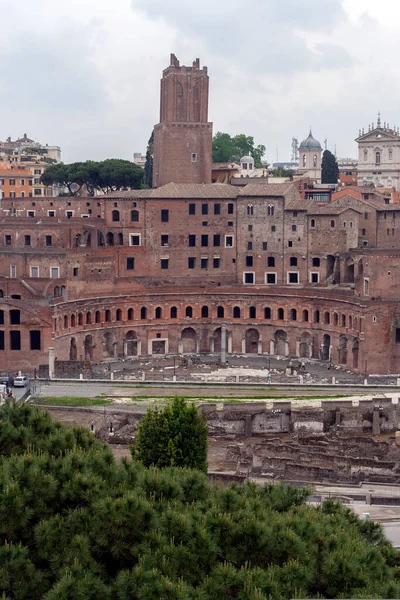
[(76, 525)]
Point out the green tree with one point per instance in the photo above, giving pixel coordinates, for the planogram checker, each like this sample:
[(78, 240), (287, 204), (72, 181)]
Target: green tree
[(175, 436), (329, 167), (148, 167), (231, 149), (106, 176)]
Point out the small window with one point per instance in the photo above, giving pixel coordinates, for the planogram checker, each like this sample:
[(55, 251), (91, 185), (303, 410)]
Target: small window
[(249, 245), (191, 262), (173, 312), (158, 312), (220, 312), (134, 239), (13, 270), (290, 244), (312, 223), (293, 261), (192, 240), (273, 228), (250, 228), (164, 215), (230, 209), (204, 312), (270, 278), (332, 224), (204, 263), (270, 210), (48, 240), (316, 316), (316, 262), (51, 213), (15, 317), (217, 209), (249, 261), (54, 272), (252, 312), (194, 157), (265, 245), (216, 263), (295, 213), (27, 240), (31, 213), (192, 209), (75, 271), (204, 223), (248, 277), (7, 240), (236, 312), (189, 312), (130, 263), (217, 240), (228, 241), (366, 286), (204, 240), (293, 277), (204, 209), (115, 216), (363, 231), (15, 340), (143, 313), (293, 314), (314, 277), (398, 336), (164, 240), (134, 216), (34, 271), (294, 227), (250, 209), (281, 314), (305, 315), (271, 261), (267, 313), (164, 263)]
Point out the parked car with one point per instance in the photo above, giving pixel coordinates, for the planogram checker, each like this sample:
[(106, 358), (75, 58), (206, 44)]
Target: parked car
[(7, 380), (21, 381)]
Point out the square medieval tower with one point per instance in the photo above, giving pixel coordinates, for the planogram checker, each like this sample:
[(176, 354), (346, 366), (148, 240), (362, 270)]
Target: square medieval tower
[(183, 137)]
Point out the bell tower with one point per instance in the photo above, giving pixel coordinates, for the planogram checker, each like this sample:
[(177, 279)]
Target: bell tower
[(183, 137)]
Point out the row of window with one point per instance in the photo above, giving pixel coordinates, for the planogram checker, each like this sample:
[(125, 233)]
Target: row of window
[(8, 240), (35, 341), (279, 314), (34, 271)]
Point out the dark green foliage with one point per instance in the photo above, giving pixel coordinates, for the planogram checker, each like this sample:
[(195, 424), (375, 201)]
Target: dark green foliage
[(148, 167), (75, 525), (175, 436), (106, 176), (226, 148), (329, 168)]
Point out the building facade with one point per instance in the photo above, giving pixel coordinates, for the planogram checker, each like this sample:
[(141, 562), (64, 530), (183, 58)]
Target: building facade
[(379, 156)]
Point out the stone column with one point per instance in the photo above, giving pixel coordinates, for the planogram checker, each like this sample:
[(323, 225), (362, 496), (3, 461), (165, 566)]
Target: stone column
[(243, 346), (272, 347), (125, 348), (212, 348), (115, 349), (230, 345), (259, 347), (376, 425), (287, 352), (223, 344), (197, 345), (297, 347), (139, 348), (51, 363), (180, 346)]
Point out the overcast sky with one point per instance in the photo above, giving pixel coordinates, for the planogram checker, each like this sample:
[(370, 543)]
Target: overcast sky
[(84, 74)]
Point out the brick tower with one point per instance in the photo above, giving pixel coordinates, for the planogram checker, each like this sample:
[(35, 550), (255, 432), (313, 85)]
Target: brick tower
[(183, 137)]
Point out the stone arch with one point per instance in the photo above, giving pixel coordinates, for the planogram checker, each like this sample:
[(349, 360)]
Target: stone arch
[(97, 317), (131, 343), (355, 352), (326, 347), (130, 314), (73, 350), (108, 344), (88, 347), (189, 340), (343, 350), (236, 312), (281, 343), (217, 334), (252, 338), (306, 345)]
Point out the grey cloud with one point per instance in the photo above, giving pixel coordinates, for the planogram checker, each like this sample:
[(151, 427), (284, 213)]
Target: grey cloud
[(263, 35)]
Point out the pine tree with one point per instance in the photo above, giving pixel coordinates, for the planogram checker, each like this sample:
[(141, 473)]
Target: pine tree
[(329, 168)]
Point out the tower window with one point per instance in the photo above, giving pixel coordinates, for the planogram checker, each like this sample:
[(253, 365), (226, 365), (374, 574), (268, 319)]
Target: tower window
[(164, 216), (194, 157)]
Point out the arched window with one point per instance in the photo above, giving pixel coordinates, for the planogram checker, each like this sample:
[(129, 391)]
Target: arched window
[(97, 317), (377, 158), (327, 318), (315, 160), (110, 239), (304, 160), (130, 314), (305, 315), (250, 209), (267, 313), (88, 318), (120, 239), (312, 224), (343, 320), (293, 261), (158, 313), (204, 312), (63, 291), (316, 316), (134, 216), (173, 312), (65, 322), (220, 312), (335, 319), (271, 261), (236, 312), (332, 224), (143, 313), (108, 316), (293, 314), (252, 312), (115, 215), (350, 322), (72, 320), (281, 314), (270, 210), (118, 315), (80, 319), (189, 312), (56, 292)]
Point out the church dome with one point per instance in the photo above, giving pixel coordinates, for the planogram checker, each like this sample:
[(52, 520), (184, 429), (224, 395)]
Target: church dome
[(247, 159), (310, 142)]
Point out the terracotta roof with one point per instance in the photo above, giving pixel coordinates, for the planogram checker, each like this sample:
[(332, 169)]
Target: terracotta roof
[(267, 189), (372, 203), (328, 209), (299, 204), (225, 165), (181, 190)]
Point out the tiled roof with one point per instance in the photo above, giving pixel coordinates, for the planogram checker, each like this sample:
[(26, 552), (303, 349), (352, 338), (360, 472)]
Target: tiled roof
[(330, 209), (181, 190), (267, 189)]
